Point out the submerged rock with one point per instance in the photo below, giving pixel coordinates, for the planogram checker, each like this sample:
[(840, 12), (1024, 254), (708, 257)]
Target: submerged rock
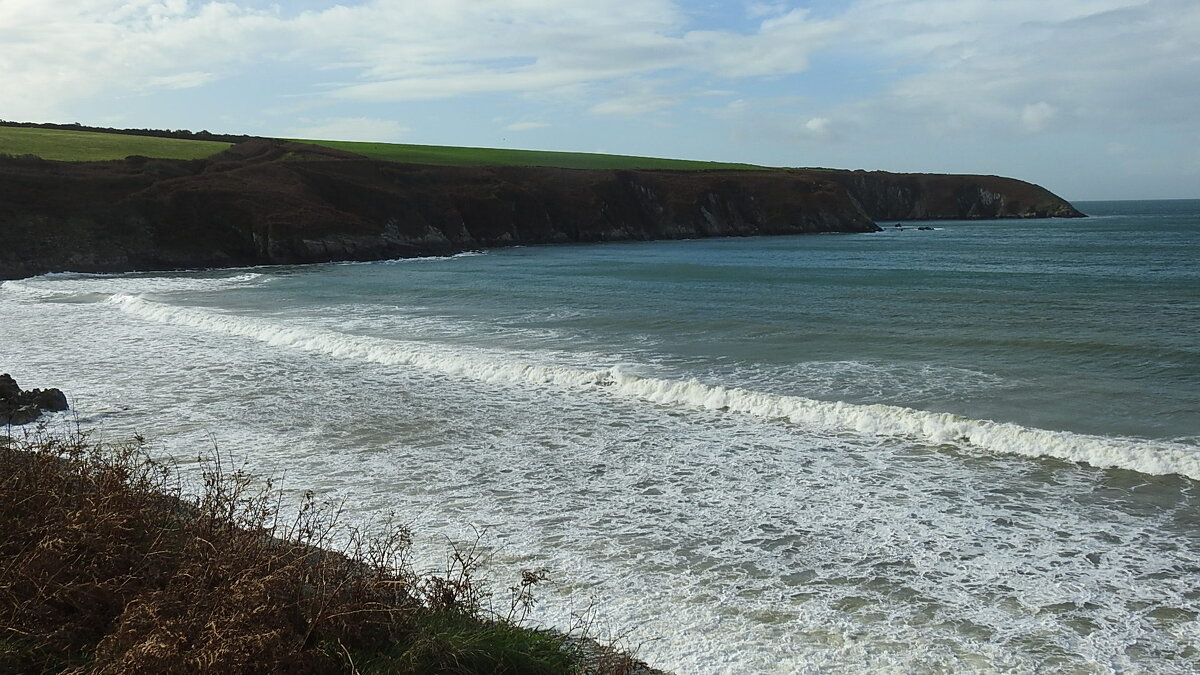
[(23, 407)]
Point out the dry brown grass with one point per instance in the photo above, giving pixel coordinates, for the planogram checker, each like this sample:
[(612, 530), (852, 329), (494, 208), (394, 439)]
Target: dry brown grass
[(106, 567)]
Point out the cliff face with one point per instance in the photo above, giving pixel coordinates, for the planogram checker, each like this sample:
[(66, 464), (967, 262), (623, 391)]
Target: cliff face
[(269, 202), (894, 196)]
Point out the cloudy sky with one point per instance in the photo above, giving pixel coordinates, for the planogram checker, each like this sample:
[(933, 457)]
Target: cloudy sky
[(1094, 99)]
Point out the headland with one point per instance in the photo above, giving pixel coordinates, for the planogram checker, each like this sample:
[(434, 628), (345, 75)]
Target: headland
[(268, 201)]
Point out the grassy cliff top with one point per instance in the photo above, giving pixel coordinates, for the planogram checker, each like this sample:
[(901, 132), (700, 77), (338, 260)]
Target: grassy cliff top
[(90, 146), (456, 156)]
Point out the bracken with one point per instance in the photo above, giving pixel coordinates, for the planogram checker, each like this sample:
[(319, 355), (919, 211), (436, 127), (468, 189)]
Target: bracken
[(106, 567)]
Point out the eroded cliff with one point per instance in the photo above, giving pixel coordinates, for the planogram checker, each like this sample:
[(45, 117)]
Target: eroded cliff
[(922, 196), (274, 202)]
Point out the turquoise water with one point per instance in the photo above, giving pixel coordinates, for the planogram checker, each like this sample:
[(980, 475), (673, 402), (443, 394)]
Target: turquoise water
[(971, 448)]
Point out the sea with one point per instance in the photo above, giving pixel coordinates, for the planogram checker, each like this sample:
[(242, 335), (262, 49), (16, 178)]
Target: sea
[(945, 447)]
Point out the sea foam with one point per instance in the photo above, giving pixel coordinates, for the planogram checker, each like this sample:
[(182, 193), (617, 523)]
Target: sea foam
[(934, 428), (78, 287)]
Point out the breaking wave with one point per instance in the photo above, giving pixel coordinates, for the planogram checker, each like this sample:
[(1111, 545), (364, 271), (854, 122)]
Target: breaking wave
[(1150, 457), (78, 287)]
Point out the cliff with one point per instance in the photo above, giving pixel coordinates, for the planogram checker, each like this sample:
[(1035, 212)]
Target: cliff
[(923, 196), (275, 202)]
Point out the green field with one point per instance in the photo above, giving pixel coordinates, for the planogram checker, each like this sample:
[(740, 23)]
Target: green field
[(454, 156), (90, 146), (87, 146)]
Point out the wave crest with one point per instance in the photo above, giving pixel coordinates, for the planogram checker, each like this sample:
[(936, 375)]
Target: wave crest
[(78, 287), (1151, 457)]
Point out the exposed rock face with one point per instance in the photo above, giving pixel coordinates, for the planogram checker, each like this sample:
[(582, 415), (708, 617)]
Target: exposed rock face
[(894, 196), (272, 202), (23, 407)]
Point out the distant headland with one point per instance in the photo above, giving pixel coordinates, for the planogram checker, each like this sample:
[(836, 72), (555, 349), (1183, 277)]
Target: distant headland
[(194, 200)]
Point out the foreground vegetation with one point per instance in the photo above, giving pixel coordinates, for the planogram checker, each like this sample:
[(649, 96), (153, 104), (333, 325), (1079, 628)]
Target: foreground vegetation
[(456, 156), (90, 146), (107, 567)]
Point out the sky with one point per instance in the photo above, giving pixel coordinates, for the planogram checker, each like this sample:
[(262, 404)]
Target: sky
[(1093, 99)]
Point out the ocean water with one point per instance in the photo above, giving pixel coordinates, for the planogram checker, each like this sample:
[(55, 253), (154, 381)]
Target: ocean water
[(968, 449)]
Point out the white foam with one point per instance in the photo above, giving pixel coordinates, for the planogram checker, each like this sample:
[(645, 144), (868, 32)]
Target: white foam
[(416, 259), (1151, 457), (431, 258), (863, 381), (95, 287)]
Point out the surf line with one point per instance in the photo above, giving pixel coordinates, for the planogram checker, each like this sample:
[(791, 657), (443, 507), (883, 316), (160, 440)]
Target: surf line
[(1150, 457)]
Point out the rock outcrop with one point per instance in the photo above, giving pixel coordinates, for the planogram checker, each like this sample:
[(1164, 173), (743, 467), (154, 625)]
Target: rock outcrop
[(23, 407), (276, 202)]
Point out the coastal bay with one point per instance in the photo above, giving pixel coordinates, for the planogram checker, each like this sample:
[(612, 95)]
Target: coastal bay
[(968, 447)]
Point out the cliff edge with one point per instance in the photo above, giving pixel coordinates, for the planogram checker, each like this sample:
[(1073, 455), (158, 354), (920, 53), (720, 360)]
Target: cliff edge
[(277, 202)]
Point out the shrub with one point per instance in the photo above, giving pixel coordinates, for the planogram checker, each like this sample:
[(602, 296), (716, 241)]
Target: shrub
[(106, 567)]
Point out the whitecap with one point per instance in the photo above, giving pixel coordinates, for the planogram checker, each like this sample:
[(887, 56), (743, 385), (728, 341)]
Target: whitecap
[(933, 428)]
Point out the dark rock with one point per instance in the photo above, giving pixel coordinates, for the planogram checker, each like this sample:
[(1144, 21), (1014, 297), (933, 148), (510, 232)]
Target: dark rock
[(276, 202), (8, 388), (23, 407), (51, 400), (23, 415)]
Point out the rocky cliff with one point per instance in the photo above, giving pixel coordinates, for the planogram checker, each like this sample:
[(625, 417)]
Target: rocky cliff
[(272, 202), (922, 196)]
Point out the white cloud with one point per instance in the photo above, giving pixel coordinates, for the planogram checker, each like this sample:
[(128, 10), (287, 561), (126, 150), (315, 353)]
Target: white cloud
[(781, 46), (818, 126), (180, 80), (410, 52), (635, 98), (979, 65), (785, 123), (905, 76), (55, 51), (758, 10), (1036, 117)]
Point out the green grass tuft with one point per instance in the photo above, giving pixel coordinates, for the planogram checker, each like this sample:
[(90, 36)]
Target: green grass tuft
[(89, 146), (452, 642)]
